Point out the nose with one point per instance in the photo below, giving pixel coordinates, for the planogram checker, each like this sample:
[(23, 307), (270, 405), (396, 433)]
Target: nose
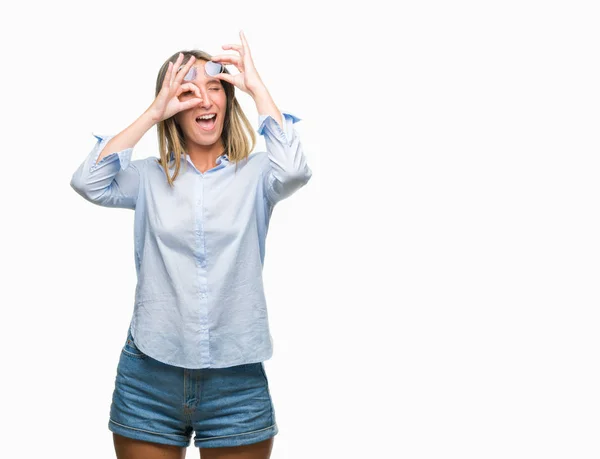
[(206, 101)]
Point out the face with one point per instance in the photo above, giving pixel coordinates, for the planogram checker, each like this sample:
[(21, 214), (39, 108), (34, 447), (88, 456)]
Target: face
[(197, 130)]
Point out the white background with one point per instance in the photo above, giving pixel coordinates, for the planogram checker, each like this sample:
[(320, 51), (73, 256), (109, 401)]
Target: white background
[(433, 290)]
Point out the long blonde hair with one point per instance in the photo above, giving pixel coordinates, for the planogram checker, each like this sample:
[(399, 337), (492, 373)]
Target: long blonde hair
[(238, 136)]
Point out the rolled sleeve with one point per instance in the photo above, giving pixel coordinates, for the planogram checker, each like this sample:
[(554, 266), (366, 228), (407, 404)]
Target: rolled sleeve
[(123, 156), (287, 170), (112, 182), (267, 123)]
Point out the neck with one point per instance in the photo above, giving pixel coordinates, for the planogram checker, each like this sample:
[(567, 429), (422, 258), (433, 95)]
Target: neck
[(205, 157)]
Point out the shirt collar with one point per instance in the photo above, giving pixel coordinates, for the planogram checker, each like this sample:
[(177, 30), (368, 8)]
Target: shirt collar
[(223, 158)]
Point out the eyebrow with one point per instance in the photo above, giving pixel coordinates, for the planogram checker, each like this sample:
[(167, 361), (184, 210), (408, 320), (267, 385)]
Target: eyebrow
[(213, 80)]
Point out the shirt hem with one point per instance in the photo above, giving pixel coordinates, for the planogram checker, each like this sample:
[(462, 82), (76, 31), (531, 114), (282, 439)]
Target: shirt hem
[(266, 357)]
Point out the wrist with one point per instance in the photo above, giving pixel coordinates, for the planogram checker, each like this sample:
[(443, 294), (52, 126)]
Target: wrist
[(149, 118), (259, 91)]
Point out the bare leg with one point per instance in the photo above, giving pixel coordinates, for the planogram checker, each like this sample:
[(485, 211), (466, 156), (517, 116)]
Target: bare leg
[(128, 448), (260, 450)]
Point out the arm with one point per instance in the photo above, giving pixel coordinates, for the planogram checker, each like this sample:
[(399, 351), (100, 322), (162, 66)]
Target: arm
[(287, 170), (112, 181), (128, 138), (107, 176)]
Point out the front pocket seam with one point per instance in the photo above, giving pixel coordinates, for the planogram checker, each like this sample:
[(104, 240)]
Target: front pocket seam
[(137, 356), (262, 370)]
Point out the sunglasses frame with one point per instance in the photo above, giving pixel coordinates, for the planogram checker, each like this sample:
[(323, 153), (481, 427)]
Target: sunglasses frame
[(191, 75)]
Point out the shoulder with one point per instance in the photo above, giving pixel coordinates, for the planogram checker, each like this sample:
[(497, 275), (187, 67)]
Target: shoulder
[(149, 163), (255, 161), (142, 162), (260, 158)]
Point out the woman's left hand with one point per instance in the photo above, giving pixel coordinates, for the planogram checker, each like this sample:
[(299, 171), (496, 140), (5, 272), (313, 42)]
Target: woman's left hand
[(248, 80)]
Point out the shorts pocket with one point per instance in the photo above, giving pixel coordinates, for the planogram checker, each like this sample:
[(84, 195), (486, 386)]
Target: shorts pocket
[(130, 349)]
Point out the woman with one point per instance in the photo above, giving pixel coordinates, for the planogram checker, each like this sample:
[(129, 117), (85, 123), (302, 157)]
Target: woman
[(199, 333)]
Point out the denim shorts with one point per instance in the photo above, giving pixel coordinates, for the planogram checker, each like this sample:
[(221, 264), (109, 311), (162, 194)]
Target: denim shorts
[(161, 403)]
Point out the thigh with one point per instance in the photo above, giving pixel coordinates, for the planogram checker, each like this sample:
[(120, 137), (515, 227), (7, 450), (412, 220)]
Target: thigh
[(129, 448), (260, 450), (147, 402)]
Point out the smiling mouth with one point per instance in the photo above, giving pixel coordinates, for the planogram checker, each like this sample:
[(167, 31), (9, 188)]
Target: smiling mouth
[(207, 122)]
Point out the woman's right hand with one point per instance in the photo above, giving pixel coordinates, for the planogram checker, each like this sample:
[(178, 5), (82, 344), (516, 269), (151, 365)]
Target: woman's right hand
[(167, 101)]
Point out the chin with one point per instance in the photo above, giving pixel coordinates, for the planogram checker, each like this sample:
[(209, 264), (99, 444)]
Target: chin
[(206, 140)]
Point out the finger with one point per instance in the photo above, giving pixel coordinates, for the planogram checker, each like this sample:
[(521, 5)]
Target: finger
[(229, 58), (244, 42), (225, 77), (188, 87), (184, 69), (167, 78), (238, 48), (176, 65), (190, 103)]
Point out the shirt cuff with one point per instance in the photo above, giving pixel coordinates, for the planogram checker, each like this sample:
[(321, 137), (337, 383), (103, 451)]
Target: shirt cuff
[(124, 156), (268, 125)]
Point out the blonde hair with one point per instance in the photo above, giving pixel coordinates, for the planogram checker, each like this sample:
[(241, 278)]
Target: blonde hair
[(238, 136)]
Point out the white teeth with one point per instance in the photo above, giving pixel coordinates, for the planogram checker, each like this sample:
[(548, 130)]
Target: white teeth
[(205, 117)]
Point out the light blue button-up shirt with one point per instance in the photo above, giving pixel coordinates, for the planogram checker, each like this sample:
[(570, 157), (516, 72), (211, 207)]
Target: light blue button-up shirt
[(200, 246)]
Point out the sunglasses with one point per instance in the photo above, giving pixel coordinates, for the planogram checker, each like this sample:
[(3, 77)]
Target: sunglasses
[(210, 69)]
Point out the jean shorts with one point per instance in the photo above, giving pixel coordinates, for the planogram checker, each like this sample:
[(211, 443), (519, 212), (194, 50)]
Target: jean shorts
[(161, 403)]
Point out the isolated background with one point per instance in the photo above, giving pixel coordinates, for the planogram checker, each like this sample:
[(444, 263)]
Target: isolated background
[(432, 292)]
